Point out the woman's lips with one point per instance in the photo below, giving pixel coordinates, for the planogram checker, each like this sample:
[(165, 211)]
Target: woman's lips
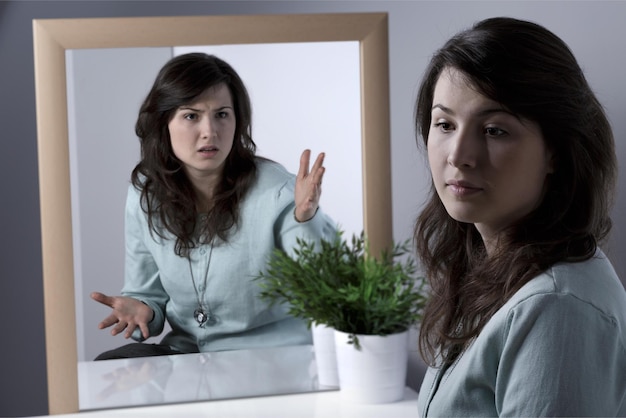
[(208, 151), (462, 188)]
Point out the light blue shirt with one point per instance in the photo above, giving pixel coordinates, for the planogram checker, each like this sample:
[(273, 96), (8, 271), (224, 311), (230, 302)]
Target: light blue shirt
[(161, 279), (556, 348)]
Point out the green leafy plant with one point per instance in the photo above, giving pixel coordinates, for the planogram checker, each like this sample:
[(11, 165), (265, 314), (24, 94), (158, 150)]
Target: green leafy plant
[(341, 285)]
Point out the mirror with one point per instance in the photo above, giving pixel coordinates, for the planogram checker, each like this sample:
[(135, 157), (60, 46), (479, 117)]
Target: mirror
[(53, 37), (297, 98)]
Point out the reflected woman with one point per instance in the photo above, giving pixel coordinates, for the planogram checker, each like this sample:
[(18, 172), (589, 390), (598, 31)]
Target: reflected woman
[(203, 215), (526, 315)]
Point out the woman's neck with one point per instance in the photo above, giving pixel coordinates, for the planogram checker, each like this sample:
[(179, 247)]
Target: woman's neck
[(205, 188), (491, 238)]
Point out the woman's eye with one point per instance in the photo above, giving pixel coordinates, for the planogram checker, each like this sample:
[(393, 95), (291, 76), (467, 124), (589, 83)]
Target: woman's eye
[(443, 126), (222, 115), (190, 116), (494, 131)]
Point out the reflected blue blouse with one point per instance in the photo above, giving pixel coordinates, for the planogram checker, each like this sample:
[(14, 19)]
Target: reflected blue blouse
[(556, 348), (158, 277)]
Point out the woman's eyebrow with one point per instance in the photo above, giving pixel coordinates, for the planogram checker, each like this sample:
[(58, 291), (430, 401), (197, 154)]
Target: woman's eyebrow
[(189, 108), (443, 108), (482, 112)]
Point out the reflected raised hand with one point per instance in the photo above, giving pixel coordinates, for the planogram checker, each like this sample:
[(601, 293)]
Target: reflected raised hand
[(308, 186), (127, 314)]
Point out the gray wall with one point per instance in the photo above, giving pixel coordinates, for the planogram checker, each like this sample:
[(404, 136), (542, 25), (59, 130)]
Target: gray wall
[(593, 29)]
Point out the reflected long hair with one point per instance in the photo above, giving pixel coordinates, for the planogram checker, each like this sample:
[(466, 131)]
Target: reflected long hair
[(167, 196), (532, 73)]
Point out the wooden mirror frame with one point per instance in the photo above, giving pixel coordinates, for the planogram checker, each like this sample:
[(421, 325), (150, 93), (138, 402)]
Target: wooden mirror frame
[(52, 37)]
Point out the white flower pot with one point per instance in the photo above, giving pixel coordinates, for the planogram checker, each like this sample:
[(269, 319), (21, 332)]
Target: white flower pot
[(377, 372), (325, 356)]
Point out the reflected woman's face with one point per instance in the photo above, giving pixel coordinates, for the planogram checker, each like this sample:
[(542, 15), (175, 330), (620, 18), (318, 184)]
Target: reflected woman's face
[(202, 132), (489, 166)]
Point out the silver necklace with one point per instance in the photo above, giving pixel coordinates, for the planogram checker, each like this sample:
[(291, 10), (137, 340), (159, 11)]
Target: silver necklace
[(203, 315)]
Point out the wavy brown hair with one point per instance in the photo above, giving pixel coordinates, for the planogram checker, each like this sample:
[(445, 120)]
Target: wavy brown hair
[(167, 196), (532, 73)]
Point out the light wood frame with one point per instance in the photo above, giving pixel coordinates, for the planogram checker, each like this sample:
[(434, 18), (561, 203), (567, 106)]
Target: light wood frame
[(52, 37)]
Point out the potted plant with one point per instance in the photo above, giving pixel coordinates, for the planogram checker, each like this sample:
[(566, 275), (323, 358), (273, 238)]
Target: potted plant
[(364, 298)]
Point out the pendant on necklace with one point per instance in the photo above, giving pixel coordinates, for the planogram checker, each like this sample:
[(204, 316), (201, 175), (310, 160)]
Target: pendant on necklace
[(200, 316)]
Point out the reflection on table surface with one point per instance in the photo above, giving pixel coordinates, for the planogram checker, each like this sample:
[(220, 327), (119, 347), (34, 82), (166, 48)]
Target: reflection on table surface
[(197, 377)]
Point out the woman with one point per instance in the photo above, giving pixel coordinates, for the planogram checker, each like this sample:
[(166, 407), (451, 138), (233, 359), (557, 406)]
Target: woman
[(203, 215), (526, 315)]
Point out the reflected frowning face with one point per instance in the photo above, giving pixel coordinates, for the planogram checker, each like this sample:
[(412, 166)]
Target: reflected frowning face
[(202, 132), (489, 166)]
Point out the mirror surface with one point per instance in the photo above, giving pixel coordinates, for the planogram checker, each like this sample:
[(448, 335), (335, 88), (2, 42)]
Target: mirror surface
[(298, 100), (52, 39), (124, 383)]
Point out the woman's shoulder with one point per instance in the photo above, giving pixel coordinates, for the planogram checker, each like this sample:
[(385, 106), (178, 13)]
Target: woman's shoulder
[(592, 282), (586, 295), (133, 195), (271, 173)]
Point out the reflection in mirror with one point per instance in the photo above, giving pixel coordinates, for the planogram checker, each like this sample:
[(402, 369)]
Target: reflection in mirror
[(53, 37), (298, 100), (197, 377)]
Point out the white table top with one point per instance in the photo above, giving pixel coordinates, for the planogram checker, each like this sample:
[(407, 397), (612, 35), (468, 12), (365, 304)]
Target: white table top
[(305, 405), (272, 382), (197, 377)]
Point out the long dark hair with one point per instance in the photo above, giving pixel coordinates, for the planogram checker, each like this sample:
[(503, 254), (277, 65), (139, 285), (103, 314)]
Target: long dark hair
[(533, 73), (167, 196)]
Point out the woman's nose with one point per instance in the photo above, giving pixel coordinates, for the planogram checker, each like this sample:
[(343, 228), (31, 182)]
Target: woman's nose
[(464, 150), (209, 128)]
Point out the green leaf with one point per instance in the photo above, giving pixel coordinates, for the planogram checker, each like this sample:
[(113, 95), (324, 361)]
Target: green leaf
[(340, 284)]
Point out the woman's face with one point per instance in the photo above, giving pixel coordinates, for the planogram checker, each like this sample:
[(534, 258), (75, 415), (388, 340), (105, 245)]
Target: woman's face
[(202, 133), (488, 166)]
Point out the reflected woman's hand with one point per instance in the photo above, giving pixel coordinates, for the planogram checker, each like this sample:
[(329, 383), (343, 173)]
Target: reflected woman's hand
[(127, 314), (308, 186), (127, 378)]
